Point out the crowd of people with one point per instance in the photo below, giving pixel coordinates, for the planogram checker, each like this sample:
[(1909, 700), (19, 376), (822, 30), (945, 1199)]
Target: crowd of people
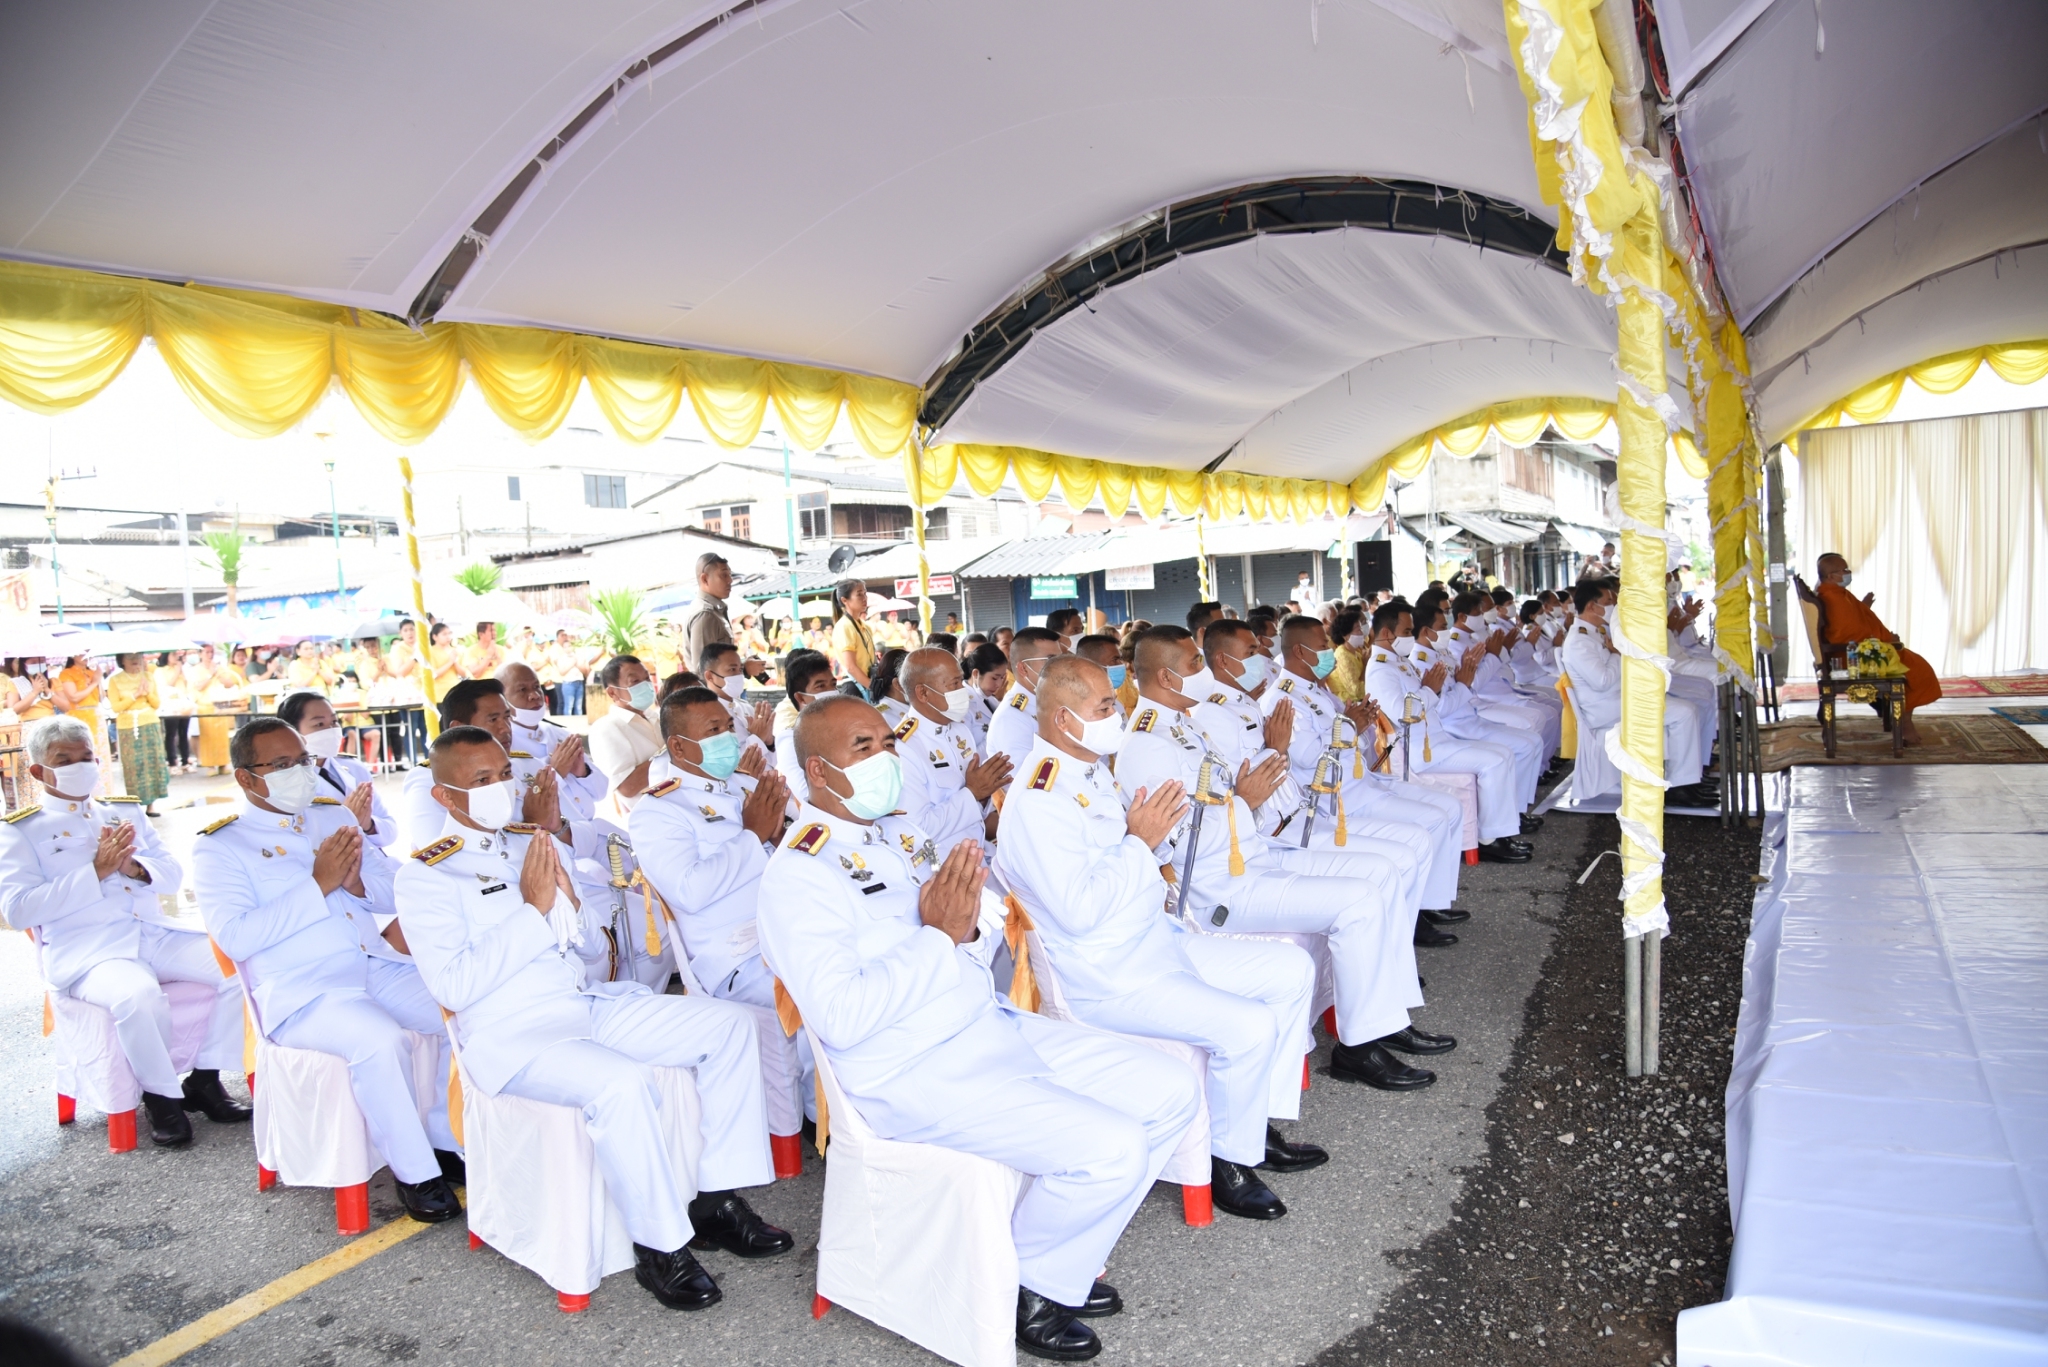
[(1198, 823)]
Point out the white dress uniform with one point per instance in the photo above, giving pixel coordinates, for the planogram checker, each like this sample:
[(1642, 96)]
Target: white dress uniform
[(1497, 698), (1389, 681), (1350, 897), (531, 1026), (1013, 730), (1425, 826), (1459, 714), (107, 940), (621, 741), (979, 713), (935, 757), (707, 867), (342, 775), (1595, 671), (1097, 897), (1696, 677), (931, 1054), (580, 793), (394, 981), (422, 818), (305, 968), (893, 710)]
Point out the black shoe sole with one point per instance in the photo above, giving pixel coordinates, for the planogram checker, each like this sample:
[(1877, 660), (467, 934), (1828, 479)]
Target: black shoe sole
[(1088, 1313), (673, 1302), (1264, 1213), (1378, 1084), (1436, 942), (1291, 1165), (427, 1217), (1488, 857), (1055, 1355), (714, 1244), (183, 1141), (1447, 918)]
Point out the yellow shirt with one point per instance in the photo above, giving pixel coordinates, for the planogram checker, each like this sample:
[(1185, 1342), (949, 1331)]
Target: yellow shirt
[(481, 662), (852, 637), (174, 699), (308, 675), (132, 697), (1347, 680)]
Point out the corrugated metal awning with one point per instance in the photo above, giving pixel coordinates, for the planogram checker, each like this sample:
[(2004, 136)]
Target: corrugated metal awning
[(1493, 530)]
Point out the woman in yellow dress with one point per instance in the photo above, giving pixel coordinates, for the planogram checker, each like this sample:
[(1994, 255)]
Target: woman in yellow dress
[(852, 651), (1347, 680), (77, 694), (308, 672), (443, 658), (131, 695), (217, 690)]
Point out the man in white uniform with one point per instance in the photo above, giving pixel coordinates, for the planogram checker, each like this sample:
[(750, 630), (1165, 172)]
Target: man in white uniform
[(624, 741), (1241, 882), (721, 669), (264, 888), (312, 716), (1494, 692), (490, 911), (1594, 666), (885, 950), (1014, 728), (1390, 681), (545, 795), (946, 783), (581, 786), (82, 875), (1458, 710), (1086, 870), (703, 837)]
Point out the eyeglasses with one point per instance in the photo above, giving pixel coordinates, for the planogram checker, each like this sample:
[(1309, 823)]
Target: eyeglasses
[(278, 766)]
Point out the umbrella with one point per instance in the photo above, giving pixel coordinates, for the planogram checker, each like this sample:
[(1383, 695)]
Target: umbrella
[(313, 624), (890, 605), (214, 629), (779, 607), (381, 626), (33, 642), (571, 620)]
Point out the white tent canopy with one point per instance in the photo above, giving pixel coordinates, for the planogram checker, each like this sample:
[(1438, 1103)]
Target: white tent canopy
[(860, 186)]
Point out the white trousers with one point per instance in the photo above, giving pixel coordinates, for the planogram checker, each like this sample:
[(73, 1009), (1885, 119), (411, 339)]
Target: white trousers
[(1684, 739), (363, 1034), (1405, 848), (1525, 746), (1093, 1136), (610, 1078), (1528, 713), (1441, 818), (131, 991), (788, 1076), (1246, 1005), (402, 992), (1344, 897), (1705, 696), (1500, 811)]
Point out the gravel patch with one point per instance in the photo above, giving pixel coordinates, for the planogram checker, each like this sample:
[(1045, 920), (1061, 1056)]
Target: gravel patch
[(1601, 1208)]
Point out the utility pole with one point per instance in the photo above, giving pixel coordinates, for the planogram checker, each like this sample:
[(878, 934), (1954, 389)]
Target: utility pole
[(56, 478), (185, 556), (789, 524), (461, 527), (333, 512)]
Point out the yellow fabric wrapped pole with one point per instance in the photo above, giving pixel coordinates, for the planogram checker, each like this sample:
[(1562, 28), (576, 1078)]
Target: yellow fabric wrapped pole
[(421, 627)]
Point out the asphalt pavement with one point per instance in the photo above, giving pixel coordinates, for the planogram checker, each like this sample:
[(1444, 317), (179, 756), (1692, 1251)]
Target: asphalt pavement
[(114, 1251)]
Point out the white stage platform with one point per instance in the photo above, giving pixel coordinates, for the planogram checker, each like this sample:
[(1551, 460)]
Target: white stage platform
[(1888, 1109)]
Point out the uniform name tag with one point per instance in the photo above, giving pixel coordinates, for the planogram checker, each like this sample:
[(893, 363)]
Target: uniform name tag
[(873, 887), (495, 887)]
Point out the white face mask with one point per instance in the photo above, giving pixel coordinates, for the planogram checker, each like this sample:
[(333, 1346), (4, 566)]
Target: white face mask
[(733, 685), (77, 781), (492, 805), (958, 700), (1404, 646), (530, 717), (1847, 578), (1104, 735), (323, 744), (1199, 685), (290, 790), (1356, 640)]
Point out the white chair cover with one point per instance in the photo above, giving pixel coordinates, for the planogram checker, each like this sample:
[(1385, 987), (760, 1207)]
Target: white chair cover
[(535, 1193), (1464, 787), (89, 1063), (1593, 773), (1189, 1166), (917, 1238)]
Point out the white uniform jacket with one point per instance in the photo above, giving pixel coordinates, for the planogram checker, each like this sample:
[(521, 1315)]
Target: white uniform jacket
[(705, 865), (913, 1024), (1013, 730), (47, 884), (368, 915), (935, 798), (1595, 672), (343, 775), (1163, 746), (1095, 889), (1234, 724), (580, 792)]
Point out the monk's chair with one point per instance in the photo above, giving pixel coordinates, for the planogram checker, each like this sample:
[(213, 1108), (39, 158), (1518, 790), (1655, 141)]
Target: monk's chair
[(1831, 669)]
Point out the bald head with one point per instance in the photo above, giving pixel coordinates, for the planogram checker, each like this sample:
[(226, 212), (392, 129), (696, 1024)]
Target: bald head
[(839, 729), (926, 677), (1073, 683), (522, 687)]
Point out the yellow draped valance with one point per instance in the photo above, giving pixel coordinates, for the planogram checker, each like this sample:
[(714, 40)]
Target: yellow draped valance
[(2013, 362), (257, 364)]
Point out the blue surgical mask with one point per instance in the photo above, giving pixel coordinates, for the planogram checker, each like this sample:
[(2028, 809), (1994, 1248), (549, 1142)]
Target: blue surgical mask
[(1251, 672), (1326, 660), (1116, 675), (877, 783), (719, 755), (640, 696)]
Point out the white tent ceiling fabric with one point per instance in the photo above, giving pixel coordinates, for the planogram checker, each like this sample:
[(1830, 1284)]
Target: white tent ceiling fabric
[(1176, 367), (856, 185)]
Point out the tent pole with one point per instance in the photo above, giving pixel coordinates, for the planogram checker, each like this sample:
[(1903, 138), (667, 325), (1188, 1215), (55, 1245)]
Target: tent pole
[(796, 622), (1632, 1005), (1653, 997), (419, 603), (924, 564)]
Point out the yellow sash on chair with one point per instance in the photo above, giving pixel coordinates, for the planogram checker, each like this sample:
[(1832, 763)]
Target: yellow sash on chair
[(454, 1087), (1568, 737), (793, 1021), (1023, 981)]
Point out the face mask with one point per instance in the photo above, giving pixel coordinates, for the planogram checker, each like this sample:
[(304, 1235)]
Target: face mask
[(76, 780), (1251, 672), (1117, 674), (1847, 578), (733, 685), (1326, 660), (719, 755), (491, 805), (1356, 640), (290, 790), (324, 744), (529, 717), (1198, 685), (957, 702), (640, 696), (1404, 646), (1104, 735), (877, 783)]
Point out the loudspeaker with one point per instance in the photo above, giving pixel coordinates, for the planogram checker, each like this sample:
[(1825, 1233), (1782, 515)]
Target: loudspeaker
[(1375, 567)]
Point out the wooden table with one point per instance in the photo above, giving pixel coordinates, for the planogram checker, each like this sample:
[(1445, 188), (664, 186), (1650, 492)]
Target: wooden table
[(1888, 694)]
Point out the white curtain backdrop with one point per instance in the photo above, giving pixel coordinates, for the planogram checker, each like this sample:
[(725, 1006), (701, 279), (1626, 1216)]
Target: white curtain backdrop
[(1944, 520)]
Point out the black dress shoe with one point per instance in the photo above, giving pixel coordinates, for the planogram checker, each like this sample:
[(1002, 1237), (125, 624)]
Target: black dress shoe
[(723, 1219), (1102, 1302), (1531, 824), (1236, 1190), (430, 1202), (1282, 1156), (1047, 1329), (1449, 916), (203, 1093), (167, 1123), (454, 1171), (1375, 1067), (1427, 936), (675, 1279), (1409, 1040), (1505, 851)]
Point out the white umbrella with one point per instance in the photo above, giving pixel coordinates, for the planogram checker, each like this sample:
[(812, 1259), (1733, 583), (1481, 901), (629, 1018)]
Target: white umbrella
[(31, 641), (779, 607), (890, 605), (572, 620), (313, 624)]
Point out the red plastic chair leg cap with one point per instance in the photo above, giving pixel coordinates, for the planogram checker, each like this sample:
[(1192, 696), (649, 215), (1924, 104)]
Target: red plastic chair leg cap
[(352, 1209), (1472, 856), (1304, 1072), (121, 1132), (67, 1109), (1330, 1021), (266, 1178), (1196, 1207), (788, 1152), (572, 1305), (819, 1305), (474, 1242)]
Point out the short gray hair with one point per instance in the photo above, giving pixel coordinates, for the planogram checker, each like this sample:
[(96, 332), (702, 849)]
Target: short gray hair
[(54, 731)]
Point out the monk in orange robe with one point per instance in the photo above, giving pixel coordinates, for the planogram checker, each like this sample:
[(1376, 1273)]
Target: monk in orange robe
[(1849, 620)]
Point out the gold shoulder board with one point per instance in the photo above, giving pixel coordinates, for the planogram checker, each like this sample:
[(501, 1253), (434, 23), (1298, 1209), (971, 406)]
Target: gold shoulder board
[(906, 728), (25, 813), (1041, 778), (439, 850), (665, 787), (811, 838), (228, 820)]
